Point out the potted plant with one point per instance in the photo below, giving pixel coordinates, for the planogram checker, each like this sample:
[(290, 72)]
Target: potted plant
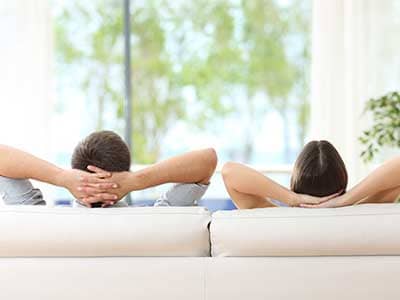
[(385, 129)]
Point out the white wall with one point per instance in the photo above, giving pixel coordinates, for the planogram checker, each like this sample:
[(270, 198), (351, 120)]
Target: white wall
[(26, 86), (355, 57), (25, 74)]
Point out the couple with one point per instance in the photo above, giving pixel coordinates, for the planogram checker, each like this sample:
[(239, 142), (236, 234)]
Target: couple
[(100, 177)]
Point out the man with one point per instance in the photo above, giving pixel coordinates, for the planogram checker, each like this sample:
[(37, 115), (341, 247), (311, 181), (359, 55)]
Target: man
[(107, 157)]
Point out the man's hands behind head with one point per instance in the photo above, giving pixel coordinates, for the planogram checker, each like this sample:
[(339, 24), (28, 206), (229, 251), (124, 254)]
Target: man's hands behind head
[(100, 191), (89, 188)]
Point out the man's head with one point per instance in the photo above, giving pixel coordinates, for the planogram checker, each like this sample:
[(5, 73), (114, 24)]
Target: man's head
[(319, 170), (103, 149)]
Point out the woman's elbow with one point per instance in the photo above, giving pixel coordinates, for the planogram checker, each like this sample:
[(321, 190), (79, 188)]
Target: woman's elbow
[(229, 172)]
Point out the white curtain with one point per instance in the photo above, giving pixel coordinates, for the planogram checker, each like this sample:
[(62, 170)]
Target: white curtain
[(25, 74), (355, 57)]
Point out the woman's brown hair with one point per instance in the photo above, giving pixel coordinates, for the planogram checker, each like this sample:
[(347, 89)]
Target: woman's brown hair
[(319, 170)]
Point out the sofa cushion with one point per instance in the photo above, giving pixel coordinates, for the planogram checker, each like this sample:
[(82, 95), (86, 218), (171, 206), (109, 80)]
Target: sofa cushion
[(133, 231), (368, 229)]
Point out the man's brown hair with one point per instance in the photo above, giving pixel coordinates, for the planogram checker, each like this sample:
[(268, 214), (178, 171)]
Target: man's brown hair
[(103, 149), (319, 170)]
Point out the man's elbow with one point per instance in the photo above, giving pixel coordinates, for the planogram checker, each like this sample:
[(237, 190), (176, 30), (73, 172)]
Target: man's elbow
[(212, 159), (209, 162)]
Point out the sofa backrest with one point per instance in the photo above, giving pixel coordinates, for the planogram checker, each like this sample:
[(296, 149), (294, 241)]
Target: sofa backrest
[(368, 229), (30, 231)]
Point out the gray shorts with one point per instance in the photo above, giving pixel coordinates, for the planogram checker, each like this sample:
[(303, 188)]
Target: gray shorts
[(19, 191), (22, 192), (182, 194)]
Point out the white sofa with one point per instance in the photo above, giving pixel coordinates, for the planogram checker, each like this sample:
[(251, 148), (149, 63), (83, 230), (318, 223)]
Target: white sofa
[(165, 253)]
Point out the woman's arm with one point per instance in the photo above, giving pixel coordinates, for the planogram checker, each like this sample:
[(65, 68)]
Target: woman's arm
[(249, 188), (381, 185), (18, 164)]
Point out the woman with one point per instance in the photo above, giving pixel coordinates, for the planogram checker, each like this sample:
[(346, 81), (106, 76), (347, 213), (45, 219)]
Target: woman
[(319, 180)]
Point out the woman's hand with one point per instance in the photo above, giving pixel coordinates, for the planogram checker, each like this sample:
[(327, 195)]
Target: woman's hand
[(328, 203), (308, 201), (89, 188)]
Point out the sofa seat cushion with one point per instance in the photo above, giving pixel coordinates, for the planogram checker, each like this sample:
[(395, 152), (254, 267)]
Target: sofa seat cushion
[(133, 231), (368, 229)]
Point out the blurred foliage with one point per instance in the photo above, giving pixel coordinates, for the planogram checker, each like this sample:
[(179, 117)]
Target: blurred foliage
[(385, 130), (214, 49)]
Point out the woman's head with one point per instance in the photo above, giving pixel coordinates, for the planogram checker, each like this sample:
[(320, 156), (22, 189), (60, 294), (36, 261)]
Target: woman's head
[(319, 170)]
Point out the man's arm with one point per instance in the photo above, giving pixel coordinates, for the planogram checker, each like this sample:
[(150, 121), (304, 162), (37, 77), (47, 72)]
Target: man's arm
[(18, 164), (192, 167)]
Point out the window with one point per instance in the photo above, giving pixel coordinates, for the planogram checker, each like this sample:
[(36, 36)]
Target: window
[(229, 74)]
